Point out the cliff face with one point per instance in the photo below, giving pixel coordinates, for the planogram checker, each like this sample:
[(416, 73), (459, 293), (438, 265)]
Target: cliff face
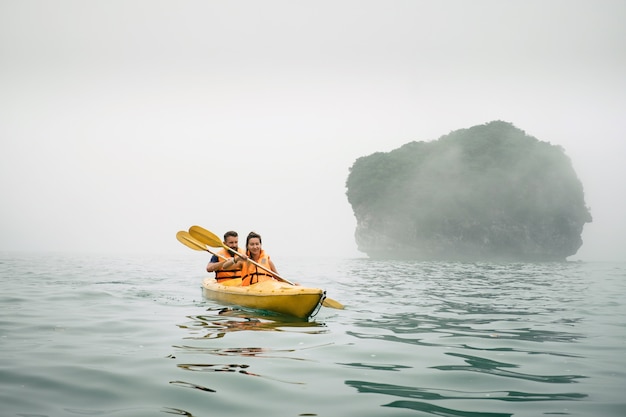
[(489, 192)]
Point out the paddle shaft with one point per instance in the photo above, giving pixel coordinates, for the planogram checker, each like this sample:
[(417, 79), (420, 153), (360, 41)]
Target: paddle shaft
[(326, 302), (211, 239), (275, 274), (189, 240)]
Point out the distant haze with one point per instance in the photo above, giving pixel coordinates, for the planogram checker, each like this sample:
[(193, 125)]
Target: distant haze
[(122, 122)]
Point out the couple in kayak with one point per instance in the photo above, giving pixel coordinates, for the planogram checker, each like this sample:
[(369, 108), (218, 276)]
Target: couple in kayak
[(228, 266)]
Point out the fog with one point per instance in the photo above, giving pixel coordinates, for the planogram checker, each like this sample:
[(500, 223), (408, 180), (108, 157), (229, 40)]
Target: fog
[(122, 122)]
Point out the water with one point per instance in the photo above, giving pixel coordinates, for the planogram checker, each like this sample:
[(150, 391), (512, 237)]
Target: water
[(132, 336)]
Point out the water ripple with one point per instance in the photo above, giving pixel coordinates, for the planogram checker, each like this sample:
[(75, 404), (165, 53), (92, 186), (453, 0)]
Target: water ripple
[(101, 335), (431, 394), (488, 366)]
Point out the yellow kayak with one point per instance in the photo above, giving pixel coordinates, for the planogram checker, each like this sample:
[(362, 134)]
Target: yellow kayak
[(275, 296)]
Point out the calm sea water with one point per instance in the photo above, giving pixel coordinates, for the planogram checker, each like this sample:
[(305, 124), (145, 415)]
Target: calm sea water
[(133, 336)]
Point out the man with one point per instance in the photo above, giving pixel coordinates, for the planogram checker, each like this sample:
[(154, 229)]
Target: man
[(217, 263)]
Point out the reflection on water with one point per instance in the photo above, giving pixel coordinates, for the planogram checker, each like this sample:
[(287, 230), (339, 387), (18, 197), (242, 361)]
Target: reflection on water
[(488, 366), (478, 328), (107, 337), (442, 411), (219, 322), (244, 351), (507, 313), (376, 367), (212, 367), (443, 394), (239, 368), (429, 394), (190, 385), (177, 412)]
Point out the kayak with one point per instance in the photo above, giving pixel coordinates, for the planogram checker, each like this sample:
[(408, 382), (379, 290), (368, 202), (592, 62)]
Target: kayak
[(275, 296)]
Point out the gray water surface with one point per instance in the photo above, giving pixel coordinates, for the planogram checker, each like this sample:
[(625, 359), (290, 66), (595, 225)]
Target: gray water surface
[(133, 336)]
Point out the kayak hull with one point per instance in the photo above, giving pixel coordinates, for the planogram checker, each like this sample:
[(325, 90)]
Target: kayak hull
[(276, 296)]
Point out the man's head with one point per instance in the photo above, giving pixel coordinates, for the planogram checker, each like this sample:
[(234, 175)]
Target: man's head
[(231, 239)]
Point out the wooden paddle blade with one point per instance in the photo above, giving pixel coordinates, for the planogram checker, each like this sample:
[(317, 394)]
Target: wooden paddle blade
[(186, 239), (206, 236), (329, 302)]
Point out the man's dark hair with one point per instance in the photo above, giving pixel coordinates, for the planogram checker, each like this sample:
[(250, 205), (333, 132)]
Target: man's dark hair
[(230, 233)]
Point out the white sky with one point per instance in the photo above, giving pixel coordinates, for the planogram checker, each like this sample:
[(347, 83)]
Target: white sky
[(122, 122)]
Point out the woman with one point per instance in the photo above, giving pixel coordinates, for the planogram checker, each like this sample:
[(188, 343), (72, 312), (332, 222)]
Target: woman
[(251, 273)]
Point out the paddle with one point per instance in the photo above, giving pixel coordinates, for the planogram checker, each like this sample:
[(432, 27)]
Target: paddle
[(211, 239), (186, 239)]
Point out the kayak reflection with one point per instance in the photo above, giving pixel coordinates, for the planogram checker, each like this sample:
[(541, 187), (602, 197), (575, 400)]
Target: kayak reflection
[(219, 322)]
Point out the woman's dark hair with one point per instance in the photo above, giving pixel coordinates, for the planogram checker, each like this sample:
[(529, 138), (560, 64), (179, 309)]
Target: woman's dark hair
[(252, 235)]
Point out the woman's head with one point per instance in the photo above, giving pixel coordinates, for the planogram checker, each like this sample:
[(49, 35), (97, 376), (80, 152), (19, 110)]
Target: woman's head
[(253, 241)]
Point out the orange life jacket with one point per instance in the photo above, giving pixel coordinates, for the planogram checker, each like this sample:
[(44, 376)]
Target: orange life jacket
[(251, 274), (225, 274)]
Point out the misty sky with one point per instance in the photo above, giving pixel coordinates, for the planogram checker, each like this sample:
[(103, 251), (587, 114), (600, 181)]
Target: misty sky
[(122, 122)]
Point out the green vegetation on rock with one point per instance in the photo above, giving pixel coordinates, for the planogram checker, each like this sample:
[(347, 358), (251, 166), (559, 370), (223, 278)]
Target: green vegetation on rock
[(490, 192)]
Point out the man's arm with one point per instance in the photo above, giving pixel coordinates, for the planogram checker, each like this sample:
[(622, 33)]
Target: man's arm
[(215, 264)]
